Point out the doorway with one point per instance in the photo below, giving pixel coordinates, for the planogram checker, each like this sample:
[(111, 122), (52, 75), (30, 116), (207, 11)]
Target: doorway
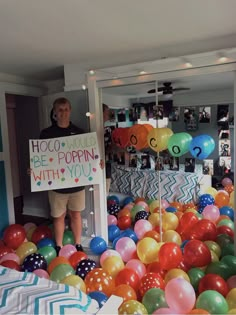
[(23, 124)]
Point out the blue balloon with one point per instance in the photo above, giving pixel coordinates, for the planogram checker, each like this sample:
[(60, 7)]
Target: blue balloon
[(113, 232), (131, 234), (205, 200), (171, 209), (98, 296), (46, 242), (141, 215), (34, 261), (202, 146), (84, 267), (226, 210), (98, 245), (127, 200), (113, 198)]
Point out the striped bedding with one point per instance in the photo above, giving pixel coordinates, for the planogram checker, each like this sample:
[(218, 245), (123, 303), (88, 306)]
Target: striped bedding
[(25, 293)]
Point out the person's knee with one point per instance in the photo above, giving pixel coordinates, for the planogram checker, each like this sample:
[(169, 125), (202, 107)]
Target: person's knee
[(61, 218), (74, 215)]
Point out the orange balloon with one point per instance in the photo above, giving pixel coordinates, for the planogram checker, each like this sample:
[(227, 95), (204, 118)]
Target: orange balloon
[(99, 280), (139, 199), (229, 188), (189, 205), (153, 234), (222, 217), (221, 199), (138, 136), (126, 292), (57, 261), (124, 213), (177, 205)]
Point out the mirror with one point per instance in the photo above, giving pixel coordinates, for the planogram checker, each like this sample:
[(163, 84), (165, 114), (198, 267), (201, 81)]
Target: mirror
[(198, 105)]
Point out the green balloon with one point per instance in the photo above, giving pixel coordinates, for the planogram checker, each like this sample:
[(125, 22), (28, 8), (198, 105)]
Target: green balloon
[(178, 143), (48, 252), (220, 268), (223, 239), (68, 238), (153, 299), (227, 222), (195, 275), (228, 249), (60, 272), (230, 261), (213, 302)]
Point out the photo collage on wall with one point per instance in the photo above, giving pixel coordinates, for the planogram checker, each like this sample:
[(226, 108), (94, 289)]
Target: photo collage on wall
[(224, 140)]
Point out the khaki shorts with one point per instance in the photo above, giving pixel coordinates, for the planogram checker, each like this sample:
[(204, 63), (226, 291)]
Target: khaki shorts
[(60, 203)]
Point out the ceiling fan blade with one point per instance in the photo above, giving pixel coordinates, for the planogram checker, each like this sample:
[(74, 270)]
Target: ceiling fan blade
[(181, 89), (152, 91)]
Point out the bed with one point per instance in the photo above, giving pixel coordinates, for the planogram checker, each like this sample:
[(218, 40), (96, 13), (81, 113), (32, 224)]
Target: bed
[(175, 185), (26, 293)]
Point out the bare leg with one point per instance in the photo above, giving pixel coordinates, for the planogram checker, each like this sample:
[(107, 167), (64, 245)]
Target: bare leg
[(59, 227), (76, 225)]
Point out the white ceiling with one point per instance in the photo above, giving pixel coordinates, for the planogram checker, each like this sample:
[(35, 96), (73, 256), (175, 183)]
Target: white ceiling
[(38, 37)]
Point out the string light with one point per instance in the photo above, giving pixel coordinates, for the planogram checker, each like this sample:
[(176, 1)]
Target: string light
[(91, 72), (84, 87), (142, 72), (88, 114)]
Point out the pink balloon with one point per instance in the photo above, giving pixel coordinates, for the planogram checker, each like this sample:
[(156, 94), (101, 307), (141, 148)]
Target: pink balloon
[(143, 204), (226, 181), (111, 219), (10, 256), (108, 253), (67, 250), (211, 212), (29, 225), (138, 266), (180, 295), (164, 203), (41, 273), (129, 206), (164, 310), (231, 281), (126, 247), (141, 227)]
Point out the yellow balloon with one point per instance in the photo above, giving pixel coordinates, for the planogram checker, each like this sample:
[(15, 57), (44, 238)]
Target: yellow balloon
[(153, 205), (147, 250), (172, 236), (158, 138), (176, 273), (231, 199), (154, 219), (232, 311), (210, 190), (75, 281), (169, 221), (132, 307), (214, 257), (113, 265), (30, 232), (231, 298), (25, 249), (213, 246)]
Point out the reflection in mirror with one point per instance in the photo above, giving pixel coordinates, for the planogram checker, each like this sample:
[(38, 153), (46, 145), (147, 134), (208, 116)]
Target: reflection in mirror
[(198, 110)]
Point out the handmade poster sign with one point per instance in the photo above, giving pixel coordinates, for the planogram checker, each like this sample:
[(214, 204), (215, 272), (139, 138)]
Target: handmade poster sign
[(64, 162)]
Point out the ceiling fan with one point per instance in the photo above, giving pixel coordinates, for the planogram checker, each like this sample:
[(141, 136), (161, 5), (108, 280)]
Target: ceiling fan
[(167, 88)]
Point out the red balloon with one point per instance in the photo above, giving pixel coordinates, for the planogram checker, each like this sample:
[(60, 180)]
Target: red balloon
[(184, 265), (204, 230), (120, 137), (11, 264), (124, 222), (41, 232), (14, 235), (1, 243), (128, 276), (196, 253), (76, 257), (186, 222), (156, 268), (151, 280), (170, 255), (213, 282), (5, 250), (224, 229)]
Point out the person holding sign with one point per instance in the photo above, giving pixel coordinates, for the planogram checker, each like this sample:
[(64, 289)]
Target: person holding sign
[(71, 199)]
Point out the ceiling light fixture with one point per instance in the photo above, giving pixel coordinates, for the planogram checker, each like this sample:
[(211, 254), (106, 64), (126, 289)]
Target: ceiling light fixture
[(222, 58), (84, 87), (91, 72), (186, 63), (142, 72), (88, 114)]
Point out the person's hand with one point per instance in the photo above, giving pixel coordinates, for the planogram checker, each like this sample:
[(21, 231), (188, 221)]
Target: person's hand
[(102, 164)]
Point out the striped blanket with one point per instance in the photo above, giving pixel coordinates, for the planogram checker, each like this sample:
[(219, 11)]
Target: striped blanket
[(25, 293)]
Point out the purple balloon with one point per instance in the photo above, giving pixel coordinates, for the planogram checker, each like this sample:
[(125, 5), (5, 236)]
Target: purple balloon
[(34, 261)]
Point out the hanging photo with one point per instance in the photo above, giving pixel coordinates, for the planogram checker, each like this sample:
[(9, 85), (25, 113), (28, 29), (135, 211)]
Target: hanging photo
[(143, 114), (145, 162), (133, 114), (190, 119), (174, 163), (189, 165), (223, 115), (224, 165), (204, 114), (159, 166), (157, 112), (208, 167), (174, 114), (224, 147), (133, 160), (224, 134), (107, 136), (121, 158), (121, 115)]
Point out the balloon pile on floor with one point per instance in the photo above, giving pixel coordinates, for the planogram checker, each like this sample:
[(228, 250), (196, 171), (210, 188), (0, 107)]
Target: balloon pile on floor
[(175, 260)]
